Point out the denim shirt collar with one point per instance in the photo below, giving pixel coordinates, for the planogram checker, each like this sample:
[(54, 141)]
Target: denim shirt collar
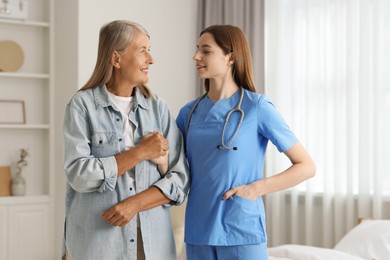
[(101, 99)]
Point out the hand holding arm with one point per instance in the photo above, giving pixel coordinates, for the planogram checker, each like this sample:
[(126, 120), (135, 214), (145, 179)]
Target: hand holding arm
[(151, 147), (121, 213)]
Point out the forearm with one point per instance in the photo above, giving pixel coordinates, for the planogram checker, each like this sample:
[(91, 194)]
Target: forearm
[(121, 213), (294, 175), (163, 168), (303, 168), (147, 199), (128, 159)]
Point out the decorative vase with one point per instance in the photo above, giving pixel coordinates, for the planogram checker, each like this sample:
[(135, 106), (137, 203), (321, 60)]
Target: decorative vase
[(18, 185)]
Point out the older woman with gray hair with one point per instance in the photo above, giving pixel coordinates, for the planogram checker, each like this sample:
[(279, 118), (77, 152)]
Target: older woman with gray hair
[(124, 157)]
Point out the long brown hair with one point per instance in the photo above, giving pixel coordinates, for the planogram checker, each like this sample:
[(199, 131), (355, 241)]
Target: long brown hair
[(231, 39), (114, 36)]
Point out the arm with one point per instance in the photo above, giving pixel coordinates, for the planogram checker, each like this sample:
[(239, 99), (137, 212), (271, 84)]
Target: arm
[(162, 163), (152, 147), (123, 212), (171, 189), (303, 168), (87, 173), (84, 171)]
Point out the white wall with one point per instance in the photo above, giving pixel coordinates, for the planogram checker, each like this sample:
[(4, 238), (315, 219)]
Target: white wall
[(172, 26)]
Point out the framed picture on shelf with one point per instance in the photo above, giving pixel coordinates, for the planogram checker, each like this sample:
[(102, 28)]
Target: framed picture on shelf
[(12, 112)]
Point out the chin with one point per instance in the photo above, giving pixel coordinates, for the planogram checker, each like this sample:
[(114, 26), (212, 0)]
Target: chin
[(202, 76), (144, 81)]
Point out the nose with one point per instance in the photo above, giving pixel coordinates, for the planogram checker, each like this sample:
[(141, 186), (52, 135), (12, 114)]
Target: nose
[(150, 59), (196, 57)]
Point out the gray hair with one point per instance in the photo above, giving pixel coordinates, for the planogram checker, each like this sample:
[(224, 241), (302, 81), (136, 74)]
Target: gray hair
[(114, 36)]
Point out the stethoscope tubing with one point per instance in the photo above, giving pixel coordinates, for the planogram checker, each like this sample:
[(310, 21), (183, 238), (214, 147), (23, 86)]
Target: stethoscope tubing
[(236, 109)]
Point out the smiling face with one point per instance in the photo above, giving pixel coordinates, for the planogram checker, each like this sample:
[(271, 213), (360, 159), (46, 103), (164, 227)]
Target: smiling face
[(211, 62), (133, 63)]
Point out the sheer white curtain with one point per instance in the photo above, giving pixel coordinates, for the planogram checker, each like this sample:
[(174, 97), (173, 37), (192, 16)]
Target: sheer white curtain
[(327, 69)]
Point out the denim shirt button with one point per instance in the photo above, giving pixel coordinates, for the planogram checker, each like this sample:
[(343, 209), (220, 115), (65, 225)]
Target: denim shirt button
[(132, 240), (130, 188), (120, 139), (117, 119)]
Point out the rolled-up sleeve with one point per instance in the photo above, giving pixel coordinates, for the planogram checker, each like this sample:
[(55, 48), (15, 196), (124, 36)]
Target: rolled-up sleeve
[(175, 184), (84, 172)]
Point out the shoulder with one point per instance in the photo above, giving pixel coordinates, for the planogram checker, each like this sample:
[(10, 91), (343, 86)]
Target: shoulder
[(256, 98), (81, 99), (155, 101), (186, 109)]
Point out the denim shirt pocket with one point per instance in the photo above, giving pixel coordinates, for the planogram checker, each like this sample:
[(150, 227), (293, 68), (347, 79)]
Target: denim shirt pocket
[(149, 131), (104, 144)]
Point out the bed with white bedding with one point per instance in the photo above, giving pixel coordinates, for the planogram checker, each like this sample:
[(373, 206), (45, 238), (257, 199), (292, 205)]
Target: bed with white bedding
[(369, 240)]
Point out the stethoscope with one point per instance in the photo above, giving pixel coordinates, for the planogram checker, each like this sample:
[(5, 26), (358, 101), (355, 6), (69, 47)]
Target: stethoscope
[(223, 146)]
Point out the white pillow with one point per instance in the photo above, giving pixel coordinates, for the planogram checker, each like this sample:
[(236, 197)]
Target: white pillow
[(301, 252), (369, 240)]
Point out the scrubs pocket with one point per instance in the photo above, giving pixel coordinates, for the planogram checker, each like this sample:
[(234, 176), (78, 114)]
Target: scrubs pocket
[(242, 218)]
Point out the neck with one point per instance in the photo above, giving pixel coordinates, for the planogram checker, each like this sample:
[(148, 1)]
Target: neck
[(121, 89), (222, 89)]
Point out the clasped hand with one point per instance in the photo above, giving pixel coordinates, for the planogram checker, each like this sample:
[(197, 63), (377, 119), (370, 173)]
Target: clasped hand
[(156, 147)]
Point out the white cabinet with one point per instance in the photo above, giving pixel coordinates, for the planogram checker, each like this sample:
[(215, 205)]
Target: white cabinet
[(25, 230), (29, 231), (26, 222), (3, 233)]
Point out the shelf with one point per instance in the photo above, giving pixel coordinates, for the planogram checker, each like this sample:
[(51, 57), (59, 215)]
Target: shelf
[(25, 23), (24, 75), (30, 199), (25, 126)]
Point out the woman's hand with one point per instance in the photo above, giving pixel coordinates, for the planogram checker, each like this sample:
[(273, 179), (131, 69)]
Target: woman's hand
[(153, 145), (248, 191), (162, 160), (120, 214), (162, 163)]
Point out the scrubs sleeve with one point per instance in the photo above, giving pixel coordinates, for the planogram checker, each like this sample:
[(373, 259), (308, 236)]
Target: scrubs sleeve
[(181, 122), (182, 117), (84, 172), (272, 125), (175, 184)]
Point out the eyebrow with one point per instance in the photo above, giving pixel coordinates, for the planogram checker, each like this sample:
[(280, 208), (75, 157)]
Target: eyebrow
[(144, 47), (204, 46)]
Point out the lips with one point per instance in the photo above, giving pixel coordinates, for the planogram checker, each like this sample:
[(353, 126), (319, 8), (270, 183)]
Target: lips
[(145, 70), (198, 67)]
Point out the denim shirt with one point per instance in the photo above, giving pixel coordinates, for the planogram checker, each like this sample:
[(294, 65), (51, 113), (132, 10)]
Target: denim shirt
[(93, 136)]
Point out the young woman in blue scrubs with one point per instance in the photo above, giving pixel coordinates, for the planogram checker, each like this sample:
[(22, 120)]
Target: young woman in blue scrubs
[(226, 135)]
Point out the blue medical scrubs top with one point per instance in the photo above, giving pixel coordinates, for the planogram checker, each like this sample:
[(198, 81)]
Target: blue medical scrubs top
[(210, 220)]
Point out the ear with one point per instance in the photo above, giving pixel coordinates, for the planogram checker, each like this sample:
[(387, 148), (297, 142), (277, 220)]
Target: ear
[(115, 59), (231, 59)]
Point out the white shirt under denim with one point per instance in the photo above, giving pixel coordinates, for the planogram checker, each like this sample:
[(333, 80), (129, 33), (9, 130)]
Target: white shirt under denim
[(93, 136)]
